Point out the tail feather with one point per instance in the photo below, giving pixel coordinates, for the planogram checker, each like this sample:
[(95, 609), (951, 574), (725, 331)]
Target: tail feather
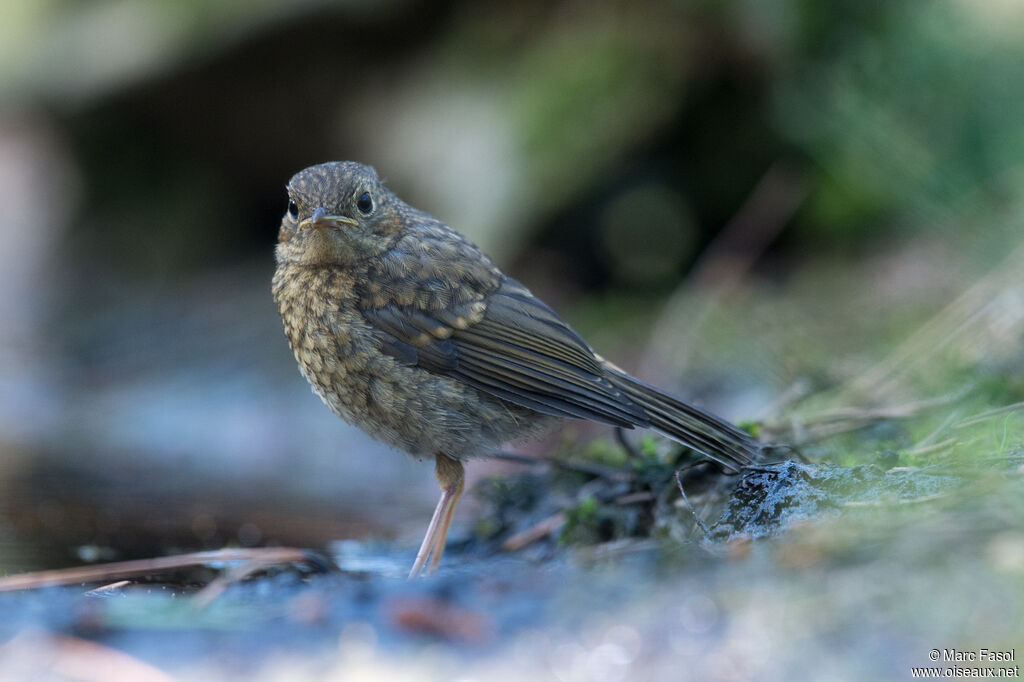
[(704, 432)]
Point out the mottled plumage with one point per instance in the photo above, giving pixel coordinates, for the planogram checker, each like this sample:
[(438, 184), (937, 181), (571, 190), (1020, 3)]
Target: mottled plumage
[(405, 329)]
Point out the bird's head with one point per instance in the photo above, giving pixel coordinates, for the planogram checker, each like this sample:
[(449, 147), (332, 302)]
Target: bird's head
[(338, 213)]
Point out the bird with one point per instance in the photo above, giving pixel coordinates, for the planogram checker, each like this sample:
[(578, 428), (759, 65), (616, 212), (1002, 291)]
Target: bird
[(404, 328)]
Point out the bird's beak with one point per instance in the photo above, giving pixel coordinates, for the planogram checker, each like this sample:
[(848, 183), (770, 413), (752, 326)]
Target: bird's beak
[(320, 220)]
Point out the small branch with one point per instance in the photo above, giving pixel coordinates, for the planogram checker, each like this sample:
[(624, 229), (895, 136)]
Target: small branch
[(237, 574), (145, 567), (988, 414), (550, 525), (518, 457), (634, 498), (689, 507), (620, 437), (109, 588), (947, 444), (835, 421), (796, 392), (591, 468)]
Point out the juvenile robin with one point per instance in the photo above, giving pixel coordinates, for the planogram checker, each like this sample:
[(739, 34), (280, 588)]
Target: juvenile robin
[(405, 329)]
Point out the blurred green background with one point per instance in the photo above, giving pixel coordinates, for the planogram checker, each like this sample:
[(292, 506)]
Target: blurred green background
[(745, 202)]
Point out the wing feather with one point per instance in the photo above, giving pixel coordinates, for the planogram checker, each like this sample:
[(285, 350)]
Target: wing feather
[(518, 350)]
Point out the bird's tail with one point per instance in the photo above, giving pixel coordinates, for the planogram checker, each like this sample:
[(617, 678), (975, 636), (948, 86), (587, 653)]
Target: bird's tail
[(702, 431)]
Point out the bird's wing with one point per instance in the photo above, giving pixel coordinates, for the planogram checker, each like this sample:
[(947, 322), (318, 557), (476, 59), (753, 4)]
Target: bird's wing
[(506, 342)]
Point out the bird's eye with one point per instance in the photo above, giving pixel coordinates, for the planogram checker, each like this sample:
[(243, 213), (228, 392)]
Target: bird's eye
[(293, 209), (364, 203)]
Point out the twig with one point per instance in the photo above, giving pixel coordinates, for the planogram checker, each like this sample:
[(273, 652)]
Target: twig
[(109, 588), (205, 596), (796, 392), (871, 414), (613, 548), (928, 440), (591, 468), (689, 507), (518, 457), (599, 470), (620, 437), (540, 530), (835, 421), (988, 414), (931, 449), (143, 567), (634, 498)]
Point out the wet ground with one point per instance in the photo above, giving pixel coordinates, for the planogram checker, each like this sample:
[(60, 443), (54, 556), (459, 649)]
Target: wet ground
[(811, 572)]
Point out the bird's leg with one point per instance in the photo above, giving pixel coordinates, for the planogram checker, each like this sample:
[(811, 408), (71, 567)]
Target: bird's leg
[(450, 476)]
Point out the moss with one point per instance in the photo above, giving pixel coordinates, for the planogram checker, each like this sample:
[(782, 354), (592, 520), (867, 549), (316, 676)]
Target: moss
[(649, 446), (590, 522), (604, 451), (751, 427)]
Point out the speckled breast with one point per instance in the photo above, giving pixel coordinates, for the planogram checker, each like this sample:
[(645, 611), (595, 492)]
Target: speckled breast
[(406, 407)]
